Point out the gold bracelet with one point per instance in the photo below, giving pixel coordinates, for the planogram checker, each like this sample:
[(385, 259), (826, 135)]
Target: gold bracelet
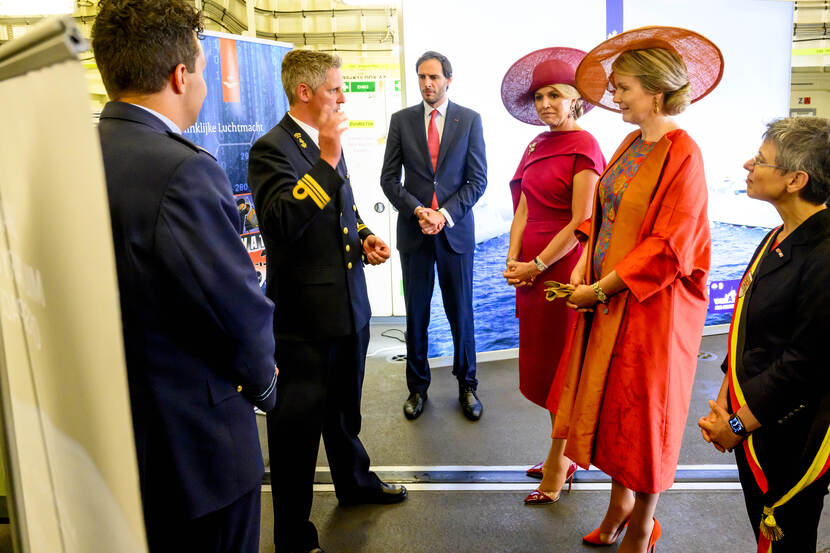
[(599, 292)]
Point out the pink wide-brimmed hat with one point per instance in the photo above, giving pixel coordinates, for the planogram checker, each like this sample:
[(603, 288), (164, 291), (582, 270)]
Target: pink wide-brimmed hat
[(533, 71), (703, 59)]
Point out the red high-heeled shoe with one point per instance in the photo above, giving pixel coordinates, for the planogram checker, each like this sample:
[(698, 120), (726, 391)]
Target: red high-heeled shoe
[(535, 471), (655, 535), (539, 497), (594, 537)]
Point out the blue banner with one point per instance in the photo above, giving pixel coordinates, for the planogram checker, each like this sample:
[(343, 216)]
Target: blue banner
[(613, 17), (244, 100)]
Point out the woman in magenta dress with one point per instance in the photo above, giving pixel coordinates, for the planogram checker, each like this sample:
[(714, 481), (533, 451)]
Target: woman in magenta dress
[(552, 192)]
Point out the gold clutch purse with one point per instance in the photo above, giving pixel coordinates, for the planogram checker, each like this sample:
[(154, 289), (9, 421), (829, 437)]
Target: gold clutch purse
[(555, 290)]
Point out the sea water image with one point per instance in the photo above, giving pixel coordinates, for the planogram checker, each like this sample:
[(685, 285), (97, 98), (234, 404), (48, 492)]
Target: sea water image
[(496, 326)]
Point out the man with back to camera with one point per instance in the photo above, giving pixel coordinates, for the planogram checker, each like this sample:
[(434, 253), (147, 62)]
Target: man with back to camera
[(197, 364), (316, 244), (440, 146)]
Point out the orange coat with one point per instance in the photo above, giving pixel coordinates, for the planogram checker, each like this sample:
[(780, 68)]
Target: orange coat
[(629, 377)]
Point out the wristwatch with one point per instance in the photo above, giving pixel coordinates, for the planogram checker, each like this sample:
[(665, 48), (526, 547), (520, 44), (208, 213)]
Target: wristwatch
[(737, 426), (539, 264), (600, 294)]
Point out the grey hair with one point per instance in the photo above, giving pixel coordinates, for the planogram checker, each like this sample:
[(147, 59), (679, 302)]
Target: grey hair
[(306, 66), (803, 144)]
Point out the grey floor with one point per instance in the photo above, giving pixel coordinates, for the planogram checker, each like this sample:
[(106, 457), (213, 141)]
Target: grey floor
[(512, 432)]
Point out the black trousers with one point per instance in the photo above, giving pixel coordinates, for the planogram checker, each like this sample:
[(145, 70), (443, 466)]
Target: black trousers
[(798, 518), (319, 389), (232, 529), (455, 275)]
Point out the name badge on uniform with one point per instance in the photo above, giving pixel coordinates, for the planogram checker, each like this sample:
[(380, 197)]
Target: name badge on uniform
[(745, 283)]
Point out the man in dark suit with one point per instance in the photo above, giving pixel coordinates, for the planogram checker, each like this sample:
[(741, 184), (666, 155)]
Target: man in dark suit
[(316, 244), (440, 146), (196, 326)]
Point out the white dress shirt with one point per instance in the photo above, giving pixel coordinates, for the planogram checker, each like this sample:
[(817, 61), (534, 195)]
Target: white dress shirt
[(439, 122), (312, 133), (166, 120)]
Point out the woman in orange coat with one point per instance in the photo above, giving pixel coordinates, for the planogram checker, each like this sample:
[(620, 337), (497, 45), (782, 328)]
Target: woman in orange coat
[(626, 395)]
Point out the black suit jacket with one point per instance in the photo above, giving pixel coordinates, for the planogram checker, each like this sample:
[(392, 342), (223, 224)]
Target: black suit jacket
[(313, 236), (197, 328), (458, 181), (786, 374)]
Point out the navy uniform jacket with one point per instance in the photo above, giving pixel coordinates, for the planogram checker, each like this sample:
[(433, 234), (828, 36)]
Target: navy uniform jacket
[(313, 236), (459, 181), (197, 329), (786, 378)]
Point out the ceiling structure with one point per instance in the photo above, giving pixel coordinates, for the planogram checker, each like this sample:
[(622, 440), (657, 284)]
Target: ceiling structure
[(370, 30)]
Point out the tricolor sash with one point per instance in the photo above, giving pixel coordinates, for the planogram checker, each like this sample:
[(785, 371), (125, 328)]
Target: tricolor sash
[(770, 531)]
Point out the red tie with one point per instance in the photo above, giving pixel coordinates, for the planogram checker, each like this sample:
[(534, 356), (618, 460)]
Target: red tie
[(434, 144)]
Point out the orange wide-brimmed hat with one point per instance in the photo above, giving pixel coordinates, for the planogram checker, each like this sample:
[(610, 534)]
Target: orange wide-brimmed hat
[(533, 71), (704, 61)]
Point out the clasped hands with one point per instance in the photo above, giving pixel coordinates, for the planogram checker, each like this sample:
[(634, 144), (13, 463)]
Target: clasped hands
[(431, 220), (716, 430), (520, 273)]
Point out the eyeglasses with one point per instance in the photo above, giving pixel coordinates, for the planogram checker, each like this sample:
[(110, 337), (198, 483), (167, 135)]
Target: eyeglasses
[(755, 163)]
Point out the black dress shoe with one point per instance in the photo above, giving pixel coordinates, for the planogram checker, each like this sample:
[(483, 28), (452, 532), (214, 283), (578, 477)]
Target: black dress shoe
[(384, 494), (470, 404), (414, 405), (316, 550)]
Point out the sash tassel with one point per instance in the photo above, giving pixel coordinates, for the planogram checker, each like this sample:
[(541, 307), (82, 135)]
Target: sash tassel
[(769, 528)]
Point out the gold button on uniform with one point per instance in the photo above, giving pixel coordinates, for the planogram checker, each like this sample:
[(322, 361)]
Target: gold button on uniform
[(345, 230), (349, 265), (348, 248), (354, 207), (239, 388)]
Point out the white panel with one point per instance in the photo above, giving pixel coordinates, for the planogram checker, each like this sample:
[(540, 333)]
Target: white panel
[(73, 463), (482, 38), (727, 124), (363, 146)]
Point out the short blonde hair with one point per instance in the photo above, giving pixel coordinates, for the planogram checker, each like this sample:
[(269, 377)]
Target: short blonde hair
[(658, 70), (306, 66), (568, 91)]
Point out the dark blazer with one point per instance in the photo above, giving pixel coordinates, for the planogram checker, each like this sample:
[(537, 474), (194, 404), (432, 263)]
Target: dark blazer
[(459, 181), (786, 376), (197, 328), (313, 236)]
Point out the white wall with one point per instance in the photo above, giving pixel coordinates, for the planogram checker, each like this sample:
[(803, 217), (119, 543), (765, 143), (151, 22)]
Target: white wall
[(483, 38)]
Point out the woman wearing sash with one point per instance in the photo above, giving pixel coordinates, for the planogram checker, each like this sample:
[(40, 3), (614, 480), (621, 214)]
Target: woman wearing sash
[(641, 281), (773, 408), (552, 192)]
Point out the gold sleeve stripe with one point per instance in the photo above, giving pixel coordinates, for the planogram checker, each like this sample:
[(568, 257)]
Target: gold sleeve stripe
[(315, 191), (302, 191), (308, 178), (361, 226)]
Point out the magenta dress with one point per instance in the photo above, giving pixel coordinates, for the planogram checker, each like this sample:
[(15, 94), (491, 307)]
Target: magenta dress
[(545, 176)]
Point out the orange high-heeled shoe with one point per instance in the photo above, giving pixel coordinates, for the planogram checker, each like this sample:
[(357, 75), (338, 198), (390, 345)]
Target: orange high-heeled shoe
[(594, 538), (539, 497), (655, 535)]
